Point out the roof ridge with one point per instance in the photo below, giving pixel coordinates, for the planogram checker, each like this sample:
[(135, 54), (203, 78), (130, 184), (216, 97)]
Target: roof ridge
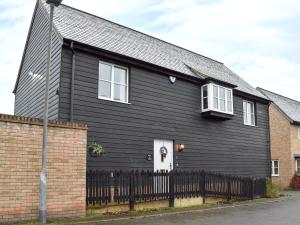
[(177, 46), (259, 88)]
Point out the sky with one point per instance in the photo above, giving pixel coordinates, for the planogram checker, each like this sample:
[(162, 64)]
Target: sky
[(257, 39)]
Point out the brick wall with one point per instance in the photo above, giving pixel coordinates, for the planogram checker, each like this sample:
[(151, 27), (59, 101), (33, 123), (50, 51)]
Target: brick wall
[(295, 146), (280, 137), (20, 166)]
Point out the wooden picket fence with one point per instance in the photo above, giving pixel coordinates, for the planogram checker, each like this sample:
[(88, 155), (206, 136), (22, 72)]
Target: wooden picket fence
[(122, 187)]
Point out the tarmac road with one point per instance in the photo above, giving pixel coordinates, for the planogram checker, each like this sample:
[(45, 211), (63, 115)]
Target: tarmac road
[(282, 212)]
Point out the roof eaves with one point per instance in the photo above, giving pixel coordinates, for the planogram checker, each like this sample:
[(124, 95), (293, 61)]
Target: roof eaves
[(261, 90), (95, 50), (196, 72), (297, 123), (199, 76), (207, 78), (285, 114), (264, 90), (220, 81), (263, 93)]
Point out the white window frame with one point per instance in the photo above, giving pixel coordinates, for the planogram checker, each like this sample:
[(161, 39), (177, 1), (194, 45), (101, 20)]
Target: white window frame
[(273, 168), (112, 82), (207, 97), (245, 113), (298, 174), (210, 98), (298, 132)]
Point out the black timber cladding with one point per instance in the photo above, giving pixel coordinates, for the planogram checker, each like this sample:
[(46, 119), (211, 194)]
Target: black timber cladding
[(29, 90), (161, 110)]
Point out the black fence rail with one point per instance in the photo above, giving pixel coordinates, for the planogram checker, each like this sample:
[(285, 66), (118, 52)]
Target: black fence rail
[(104, 187), (98, 187)]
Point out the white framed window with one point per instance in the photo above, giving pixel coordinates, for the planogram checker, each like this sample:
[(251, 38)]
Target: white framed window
[(298, 167), (275, 168), (298, 132), (205, 97), (113, 82), (249, 113), (216, 98)]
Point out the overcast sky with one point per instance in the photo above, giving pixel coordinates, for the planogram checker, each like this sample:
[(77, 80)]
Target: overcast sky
[(258, 39)]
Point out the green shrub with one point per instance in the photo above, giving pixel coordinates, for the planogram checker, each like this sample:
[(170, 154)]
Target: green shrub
[(273, 190)]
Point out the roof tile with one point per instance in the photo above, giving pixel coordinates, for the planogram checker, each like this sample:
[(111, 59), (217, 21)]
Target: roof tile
[(88, 29), (289, 106)]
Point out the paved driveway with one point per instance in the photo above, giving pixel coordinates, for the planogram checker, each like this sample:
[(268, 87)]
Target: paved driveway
[(283, 212)]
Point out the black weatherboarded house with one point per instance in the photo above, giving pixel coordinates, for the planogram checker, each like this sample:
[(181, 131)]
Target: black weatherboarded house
[(142, 97)]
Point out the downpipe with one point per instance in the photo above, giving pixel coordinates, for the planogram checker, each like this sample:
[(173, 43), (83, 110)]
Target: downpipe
[(72, 81)]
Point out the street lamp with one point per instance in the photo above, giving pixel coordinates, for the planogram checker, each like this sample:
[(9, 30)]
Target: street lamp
[(54, 2), (43, 177)]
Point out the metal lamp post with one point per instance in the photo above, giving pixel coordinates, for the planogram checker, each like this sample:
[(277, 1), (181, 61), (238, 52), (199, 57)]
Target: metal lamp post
[(43, 177)]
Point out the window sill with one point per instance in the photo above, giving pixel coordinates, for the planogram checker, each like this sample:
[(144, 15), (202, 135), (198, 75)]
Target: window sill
[(110, 100), (216, 114), (275, 175), (249, 125)]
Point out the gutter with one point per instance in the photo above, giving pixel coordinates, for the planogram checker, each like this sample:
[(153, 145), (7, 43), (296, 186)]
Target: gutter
[(72, 80)]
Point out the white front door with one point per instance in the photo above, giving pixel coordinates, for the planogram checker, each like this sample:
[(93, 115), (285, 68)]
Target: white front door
[(163, 155)]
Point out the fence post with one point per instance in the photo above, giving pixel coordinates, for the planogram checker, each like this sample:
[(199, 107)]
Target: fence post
[(171, 189), (264, 187), (252, 188), (131, 191), (203, 186), (112, 187), (228, 189), (88, 186)]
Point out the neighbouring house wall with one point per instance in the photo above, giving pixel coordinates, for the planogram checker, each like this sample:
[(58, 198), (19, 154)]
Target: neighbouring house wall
[(30, 91), (280, 136), (20, 167), (161, 110), (295, 145)]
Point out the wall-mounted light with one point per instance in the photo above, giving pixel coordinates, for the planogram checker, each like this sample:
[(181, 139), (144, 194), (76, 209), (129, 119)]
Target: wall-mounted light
[(172, 79), (180, 147)]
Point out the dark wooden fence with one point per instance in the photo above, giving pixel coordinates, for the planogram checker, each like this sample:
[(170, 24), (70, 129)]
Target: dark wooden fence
[(104, 187)]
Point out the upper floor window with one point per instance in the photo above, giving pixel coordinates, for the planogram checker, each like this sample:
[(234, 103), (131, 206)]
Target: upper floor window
[(298, 132), (216, 98), (113, 82), (275, 167), (249, 113)]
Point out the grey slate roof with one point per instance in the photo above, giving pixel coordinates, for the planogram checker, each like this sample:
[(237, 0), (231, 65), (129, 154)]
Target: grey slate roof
[(290, 107), (88, 29)]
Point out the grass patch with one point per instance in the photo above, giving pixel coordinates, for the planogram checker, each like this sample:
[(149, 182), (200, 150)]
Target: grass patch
[(273, 190)]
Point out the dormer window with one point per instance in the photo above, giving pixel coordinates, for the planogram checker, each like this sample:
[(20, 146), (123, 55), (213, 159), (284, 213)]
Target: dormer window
[(216, 98)]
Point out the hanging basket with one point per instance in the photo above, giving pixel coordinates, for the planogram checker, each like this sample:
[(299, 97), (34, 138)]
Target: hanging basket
[(95, 150)]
